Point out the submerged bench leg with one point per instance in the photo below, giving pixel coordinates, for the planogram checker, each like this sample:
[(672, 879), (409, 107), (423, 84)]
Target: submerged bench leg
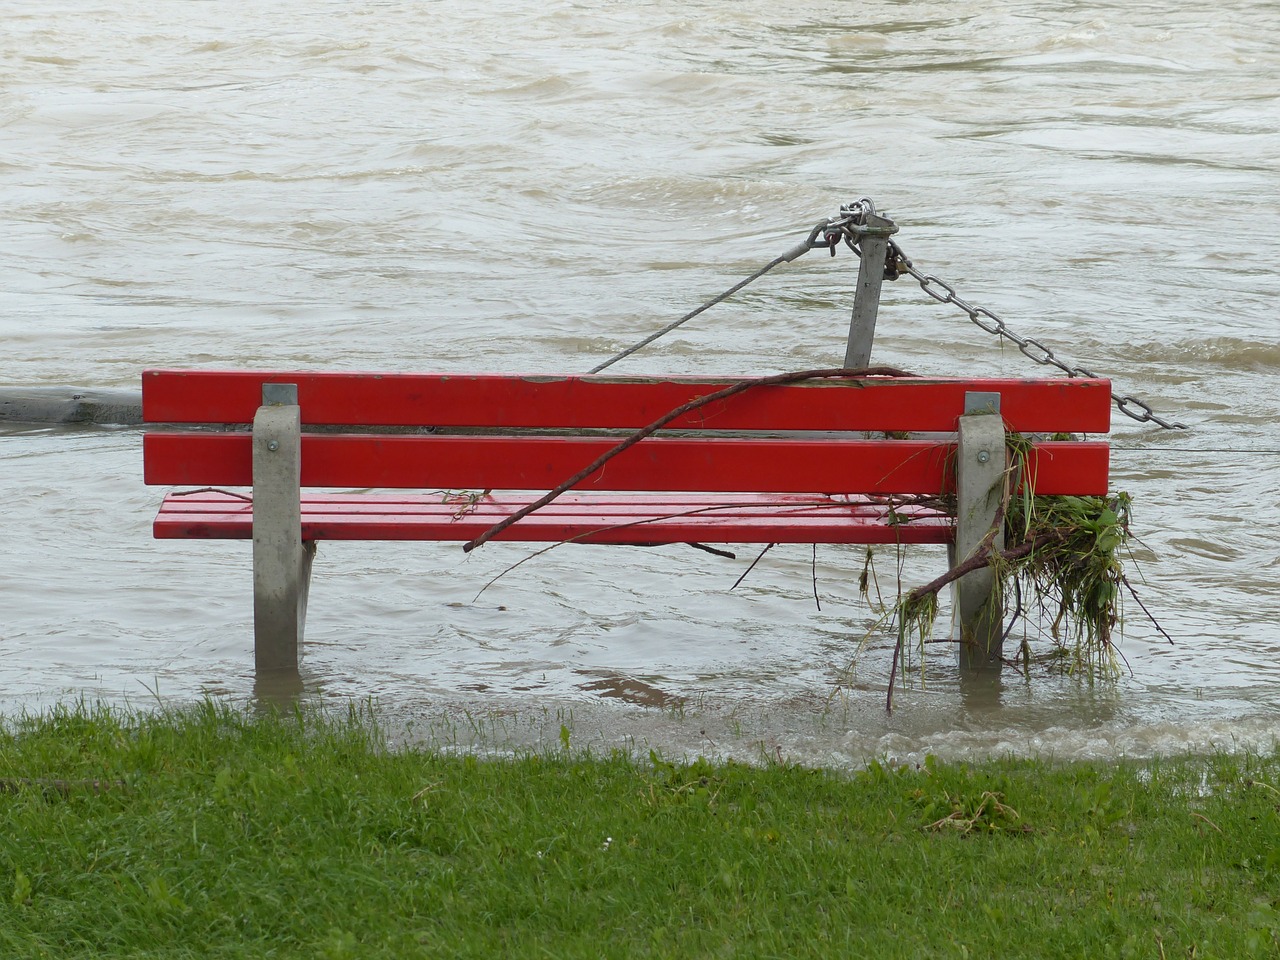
[(281, 560), (980, 481)]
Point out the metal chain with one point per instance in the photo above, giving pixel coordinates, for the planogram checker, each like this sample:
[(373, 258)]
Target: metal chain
[(850, 227), (1029, 347)]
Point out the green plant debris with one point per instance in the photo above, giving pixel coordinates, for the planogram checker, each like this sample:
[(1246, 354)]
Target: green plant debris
[(1074, 573), (305, 836), (1059, 576)]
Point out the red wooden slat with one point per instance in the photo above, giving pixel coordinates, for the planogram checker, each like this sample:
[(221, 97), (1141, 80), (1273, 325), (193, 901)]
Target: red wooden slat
[(475, 503), (540, 463), (488, 508), (464, 400), (642, 520)]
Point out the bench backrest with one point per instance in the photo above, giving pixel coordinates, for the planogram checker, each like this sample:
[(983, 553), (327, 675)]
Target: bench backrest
[(526, 432)]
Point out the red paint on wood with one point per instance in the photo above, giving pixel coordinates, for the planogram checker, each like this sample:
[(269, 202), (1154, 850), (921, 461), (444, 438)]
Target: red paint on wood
[(541, 463), (642, 520), (466, 400)]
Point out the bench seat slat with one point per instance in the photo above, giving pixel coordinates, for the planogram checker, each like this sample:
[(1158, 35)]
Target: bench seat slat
[(698, 465), (468, 400), (643, 520)]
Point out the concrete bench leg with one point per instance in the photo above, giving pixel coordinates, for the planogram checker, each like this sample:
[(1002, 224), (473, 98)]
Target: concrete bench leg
[(981, 464), (281, 560)]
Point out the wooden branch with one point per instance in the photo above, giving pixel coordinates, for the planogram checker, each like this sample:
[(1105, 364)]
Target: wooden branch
[(980, 559), (975, 561), (729, 391)]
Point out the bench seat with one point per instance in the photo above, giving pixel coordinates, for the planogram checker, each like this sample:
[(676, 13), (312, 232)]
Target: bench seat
[(641, 520)]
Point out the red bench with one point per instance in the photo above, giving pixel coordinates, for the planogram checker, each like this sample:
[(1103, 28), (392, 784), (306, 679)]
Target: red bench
[(808, 462)]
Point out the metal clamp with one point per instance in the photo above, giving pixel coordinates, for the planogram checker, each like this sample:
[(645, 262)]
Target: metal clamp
[(279, 394)]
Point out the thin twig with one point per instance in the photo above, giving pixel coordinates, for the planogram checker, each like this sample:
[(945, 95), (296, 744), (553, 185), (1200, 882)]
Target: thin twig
[(714, 551), (722, 394), (637, 523), (814, 570), (229, 493), (870, 567), (759, 556), (1120, 653), (893, 669), (1017, 610), (1138, 600)]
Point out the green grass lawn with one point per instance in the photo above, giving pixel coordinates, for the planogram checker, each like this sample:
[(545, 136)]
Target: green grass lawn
[(210, 833)]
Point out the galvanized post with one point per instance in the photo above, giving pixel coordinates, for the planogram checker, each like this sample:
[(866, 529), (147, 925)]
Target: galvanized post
[(981, 475), (873, 246), (281, 560)]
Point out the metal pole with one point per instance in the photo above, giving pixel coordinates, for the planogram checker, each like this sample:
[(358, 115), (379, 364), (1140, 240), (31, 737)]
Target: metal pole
[(866, 299)]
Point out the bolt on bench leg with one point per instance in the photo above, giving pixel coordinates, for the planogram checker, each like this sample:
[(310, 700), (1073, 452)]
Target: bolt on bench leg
[(281, 560), (980, 482)]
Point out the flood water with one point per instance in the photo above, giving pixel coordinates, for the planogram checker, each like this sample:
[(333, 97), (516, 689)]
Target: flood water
[(411, 185)]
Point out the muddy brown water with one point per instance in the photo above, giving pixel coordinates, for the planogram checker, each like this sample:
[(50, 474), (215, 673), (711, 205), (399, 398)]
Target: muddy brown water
[(520, 187)]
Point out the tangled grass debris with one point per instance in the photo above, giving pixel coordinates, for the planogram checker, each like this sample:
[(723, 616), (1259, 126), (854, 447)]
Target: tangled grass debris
[(1073, 570), (1061, 571)]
